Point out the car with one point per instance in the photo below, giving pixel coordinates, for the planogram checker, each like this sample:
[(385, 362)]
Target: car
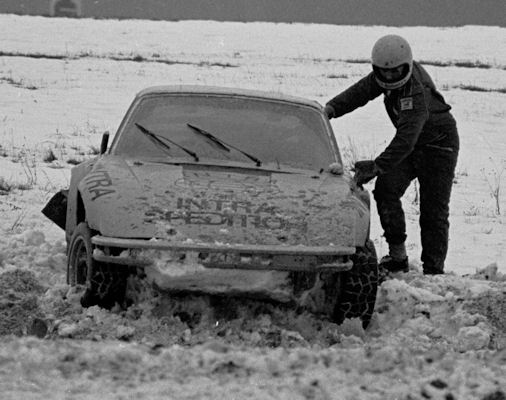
[(225, 192)]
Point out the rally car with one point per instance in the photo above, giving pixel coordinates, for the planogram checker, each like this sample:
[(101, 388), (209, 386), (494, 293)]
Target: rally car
[(224, 192)]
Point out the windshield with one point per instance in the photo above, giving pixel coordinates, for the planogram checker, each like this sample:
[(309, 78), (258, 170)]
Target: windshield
[(272, 131)]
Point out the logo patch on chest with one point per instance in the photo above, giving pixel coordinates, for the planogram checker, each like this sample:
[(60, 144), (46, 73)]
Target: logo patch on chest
[(406, 103)]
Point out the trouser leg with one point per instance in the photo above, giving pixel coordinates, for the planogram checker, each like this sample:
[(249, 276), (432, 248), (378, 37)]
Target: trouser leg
[(436, 169), (389, 189)]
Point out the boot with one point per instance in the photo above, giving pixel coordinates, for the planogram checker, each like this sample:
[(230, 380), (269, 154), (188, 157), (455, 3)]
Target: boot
[(432, 271), (393, 265)]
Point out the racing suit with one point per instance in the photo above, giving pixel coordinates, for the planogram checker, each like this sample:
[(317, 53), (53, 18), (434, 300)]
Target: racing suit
[(425, 146)]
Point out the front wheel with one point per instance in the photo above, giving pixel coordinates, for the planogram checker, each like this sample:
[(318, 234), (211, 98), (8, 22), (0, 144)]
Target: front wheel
[(105, 283), (359, 287)]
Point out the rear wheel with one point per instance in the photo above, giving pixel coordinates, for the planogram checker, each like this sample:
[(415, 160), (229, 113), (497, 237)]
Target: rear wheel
[(105, 283), (358, 287)]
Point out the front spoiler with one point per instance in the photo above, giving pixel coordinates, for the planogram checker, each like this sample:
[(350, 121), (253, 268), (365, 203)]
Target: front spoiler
[(139, 252)]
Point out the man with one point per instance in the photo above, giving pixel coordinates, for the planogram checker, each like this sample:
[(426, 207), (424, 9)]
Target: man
[(425, 146)]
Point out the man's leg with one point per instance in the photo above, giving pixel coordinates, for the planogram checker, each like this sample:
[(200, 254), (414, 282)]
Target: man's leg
[(388, 191), (436, 169)]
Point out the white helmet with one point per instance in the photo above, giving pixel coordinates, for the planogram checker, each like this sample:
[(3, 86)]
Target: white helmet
[(392, 51)]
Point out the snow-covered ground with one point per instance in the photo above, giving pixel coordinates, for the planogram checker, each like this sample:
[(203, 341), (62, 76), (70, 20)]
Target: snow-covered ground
[(64, 82)]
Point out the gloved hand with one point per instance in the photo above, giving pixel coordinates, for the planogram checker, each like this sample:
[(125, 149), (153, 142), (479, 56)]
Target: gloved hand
[(365, 171), (329, 111)]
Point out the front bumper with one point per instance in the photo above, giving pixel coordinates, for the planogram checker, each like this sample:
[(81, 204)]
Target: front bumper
[(143, 253)]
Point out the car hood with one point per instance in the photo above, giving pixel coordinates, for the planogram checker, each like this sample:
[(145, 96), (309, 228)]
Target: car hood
[(218, 204)]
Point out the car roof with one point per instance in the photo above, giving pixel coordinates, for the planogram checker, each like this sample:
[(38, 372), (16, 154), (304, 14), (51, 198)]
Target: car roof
[(227, 91)]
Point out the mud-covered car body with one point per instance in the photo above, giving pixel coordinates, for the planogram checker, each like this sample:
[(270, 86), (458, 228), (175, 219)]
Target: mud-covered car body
[(238, 178)]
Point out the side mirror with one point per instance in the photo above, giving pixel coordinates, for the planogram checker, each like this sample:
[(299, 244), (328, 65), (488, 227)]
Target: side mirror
[(105, 142)]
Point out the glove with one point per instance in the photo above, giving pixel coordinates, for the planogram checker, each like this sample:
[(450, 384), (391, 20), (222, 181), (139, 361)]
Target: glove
[(364, 171), (329, 111)]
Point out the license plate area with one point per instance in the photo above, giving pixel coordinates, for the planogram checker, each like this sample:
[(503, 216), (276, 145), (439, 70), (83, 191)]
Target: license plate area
[(280, 262)]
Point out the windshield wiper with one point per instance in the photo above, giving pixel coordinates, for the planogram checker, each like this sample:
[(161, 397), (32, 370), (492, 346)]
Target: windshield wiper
[(210, 136), (158, 140), (222, 144)]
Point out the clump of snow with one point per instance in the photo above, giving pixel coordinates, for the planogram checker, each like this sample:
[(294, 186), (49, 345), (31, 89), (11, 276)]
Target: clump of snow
[(173, 263), (490, 273), (441, 308), (30, 238), (475, 337)]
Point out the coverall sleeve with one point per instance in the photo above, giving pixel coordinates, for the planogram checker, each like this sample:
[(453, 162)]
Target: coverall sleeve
[(357, 95), (413, 113)]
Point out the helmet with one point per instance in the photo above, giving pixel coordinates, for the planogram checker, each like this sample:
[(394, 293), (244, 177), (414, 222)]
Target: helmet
[(392, 51)]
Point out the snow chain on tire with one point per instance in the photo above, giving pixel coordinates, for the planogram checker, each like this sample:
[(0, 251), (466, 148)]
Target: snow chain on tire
[(359, 287), (106, 286)]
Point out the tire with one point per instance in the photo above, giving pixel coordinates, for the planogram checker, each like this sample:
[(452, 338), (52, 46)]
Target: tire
[(105, 283), (359, 287)]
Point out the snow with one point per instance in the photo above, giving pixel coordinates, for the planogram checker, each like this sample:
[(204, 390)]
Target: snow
[(430, 337)]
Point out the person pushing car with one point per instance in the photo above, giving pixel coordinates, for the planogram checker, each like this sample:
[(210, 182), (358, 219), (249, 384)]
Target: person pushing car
[(425, 146)]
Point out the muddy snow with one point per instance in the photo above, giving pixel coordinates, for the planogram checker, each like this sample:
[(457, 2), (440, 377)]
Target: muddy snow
[(64, 82)]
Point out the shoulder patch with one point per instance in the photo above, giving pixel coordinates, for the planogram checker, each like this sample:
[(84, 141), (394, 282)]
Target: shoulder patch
[(406, 103)]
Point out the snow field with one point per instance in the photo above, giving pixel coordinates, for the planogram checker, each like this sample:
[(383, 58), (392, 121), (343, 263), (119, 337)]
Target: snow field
[(431, 337)]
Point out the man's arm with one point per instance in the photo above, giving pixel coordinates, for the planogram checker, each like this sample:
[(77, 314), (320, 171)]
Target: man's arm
[(413, 114), (355, 96)]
